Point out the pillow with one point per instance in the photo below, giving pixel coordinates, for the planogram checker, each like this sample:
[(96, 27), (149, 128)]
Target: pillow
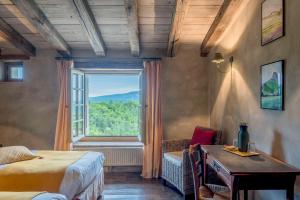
[(203, 136), (13, 154)]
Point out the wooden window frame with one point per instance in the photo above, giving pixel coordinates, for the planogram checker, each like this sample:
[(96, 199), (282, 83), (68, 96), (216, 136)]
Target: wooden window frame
[(78, 105), (139, 72), (6, 67)]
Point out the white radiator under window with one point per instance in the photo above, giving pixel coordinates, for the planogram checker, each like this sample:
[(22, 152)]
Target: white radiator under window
[(116, 155)]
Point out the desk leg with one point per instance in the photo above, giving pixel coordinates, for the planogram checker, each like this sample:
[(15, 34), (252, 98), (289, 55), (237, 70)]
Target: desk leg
[(290, 193), (235, 195), (290, 188), (245, 194)]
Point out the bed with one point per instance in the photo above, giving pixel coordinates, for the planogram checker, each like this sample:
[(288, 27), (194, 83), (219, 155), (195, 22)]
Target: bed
[(77, 175), (31, 196)]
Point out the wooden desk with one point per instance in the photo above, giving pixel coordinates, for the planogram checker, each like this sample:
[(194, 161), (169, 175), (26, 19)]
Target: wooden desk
[(249, 173)]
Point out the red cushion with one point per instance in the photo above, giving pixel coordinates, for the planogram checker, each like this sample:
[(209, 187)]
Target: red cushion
[(203, 136)]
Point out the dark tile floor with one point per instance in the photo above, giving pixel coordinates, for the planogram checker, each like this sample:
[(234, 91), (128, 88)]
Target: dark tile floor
[(130, 186)]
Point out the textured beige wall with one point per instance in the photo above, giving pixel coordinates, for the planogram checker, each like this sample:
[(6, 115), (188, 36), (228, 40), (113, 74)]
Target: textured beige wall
[(184, 93), (237, 98), (28, 109)]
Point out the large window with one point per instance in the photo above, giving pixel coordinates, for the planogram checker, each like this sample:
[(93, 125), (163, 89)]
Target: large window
[(106, 104), (113, 104)]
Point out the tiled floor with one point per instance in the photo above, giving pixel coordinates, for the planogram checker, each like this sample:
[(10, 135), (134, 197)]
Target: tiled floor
[(130, 186)]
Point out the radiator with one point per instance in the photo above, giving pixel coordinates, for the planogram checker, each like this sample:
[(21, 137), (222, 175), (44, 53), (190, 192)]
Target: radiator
[(118, 156)]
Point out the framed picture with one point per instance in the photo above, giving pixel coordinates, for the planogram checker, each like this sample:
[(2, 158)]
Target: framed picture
[(272, 22), (272, 86)]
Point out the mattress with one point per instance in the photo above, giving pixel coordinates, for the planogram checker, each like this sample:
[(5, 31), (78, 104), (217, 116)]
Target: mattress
[(31, 196), (49, 196)]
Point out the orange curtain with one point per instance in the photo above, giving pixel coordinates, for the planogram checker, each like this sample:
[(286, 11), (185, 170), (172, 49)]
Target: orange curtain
[(153, 121), (63, 123)]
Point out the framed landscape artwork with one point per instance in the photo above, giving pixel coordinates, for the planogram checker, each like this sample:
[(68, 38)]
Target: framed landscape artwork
[(272, 86), (272, 21)]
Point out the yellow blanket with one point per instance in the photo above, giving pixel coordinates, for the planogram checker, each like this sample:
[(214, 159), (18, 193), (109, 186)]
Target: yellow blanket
[(18, 195), (43, 174)]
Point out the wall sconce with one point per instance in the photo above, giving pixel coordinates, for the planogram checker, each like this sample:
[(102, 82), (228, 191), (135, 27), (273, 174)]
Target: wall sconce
[(219, 59)]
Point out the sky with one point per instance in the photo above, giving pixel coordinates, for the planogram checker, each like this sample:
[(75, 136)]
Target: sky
[(100, 85)]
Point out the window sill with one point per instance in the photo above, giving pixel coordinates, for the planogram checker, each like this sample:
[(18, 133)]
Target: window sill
[(108, 144), (76, 139), (110, 139)]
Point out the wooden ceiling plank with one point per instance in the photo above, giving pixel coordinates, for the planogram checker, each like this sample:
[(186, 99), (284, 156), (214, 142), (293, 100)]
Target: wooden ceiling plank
[(109, 11), (133, 26), (106, 2), (17, 40), (198, 20), (38, 19), (203, 11), (207, 2), (156, 11), (155, 20), (89, 25), (157, 3), (5, 2), (178, 18), (222, 20)]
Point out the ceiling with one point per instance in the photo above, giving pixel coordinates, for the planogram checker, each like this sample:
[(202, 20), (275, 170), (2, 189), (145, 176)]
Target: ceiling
[(154, 23)]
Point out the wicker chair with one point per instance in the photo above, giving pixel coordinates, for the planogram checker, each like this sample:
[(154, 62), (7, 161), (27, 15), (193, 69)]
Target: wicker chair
[(176, 167)]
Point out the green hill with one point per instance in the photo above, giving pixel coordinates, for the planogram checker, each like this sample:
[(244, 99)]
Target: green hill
[(125, 97)]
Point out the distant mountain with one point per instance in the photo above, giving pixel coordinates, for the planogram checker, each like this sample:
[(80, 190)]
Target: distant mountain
[(130, 96), (271, 87)]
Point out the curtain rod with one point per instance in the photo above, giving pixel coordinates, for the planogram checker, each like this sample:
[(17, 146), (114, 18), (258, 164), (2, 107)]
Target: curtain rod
[(74, 58)]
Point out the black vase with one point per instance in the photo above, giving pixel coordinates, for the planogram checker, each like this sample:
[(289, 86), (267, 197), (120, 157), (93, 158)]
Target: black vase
[(243, 138)]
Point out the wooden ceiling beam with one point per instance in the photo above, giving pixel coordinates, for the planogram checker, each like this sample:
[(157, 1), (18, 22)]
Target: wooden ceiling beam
[(133, 28), (219, 25), (14, 57), (177, 22), (16, 39), (89, 25), (39, 20)]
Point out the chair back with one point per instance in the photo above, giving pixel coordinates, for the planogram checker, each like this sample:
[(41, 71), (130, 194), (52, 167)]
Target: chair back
[(196, 160)]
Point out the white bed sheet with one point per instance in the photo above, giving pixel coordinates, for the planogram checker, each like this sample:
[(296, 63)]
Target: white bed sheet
[(49, 196), (81, 174)]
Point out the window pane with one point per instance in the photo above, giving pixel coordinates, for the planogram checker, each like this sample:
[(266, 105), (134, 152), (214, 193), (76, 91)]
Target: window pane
[(74, 129), (74, 80), (2, 73), (80, 81), (114, 104), (80, 128), (80, 112), (74, 96), (15, 70), (73, 113), (80, 97), (16, 73)]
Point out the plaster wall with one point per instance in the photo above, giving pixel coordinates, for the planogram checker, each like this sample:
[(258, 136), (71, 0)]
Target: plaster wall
[(184, 93), (29, 108), (235, 96)]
